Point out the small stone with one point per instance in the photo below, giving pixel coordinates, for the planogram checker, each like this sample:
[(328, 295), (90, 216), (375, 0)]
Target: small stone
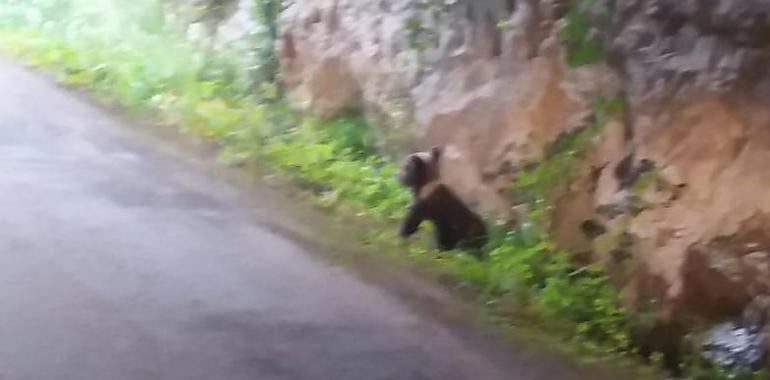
[(731, 345)]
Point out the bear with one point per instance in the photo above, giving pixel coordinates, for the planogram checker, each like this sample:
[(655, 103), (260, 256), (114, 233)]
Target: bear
[(456, 225)]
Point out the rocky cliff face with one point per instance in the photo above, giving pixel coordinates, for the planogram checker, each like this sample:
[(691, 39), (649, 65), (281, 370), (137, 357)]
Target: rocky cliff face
[(696, 74), (493, 96), (672, 195)]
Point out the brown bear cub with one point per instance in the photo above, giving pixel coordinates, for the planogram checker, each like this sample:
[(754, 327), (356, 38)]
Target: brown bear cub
[(456, 225)]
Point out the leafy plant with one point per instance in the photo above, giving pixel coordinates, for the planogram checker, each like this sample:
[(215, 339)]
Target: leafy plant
[(156, 69), (542, 181), (147, 64), (582, 31)]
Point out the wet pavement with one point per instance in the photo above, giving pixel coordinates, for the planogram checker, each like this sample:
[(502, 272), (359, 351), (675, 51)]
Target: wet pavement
[(118, 261)]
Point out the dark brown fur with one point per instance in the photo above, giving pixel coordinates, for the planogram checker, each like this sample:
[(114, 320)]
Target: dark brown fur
[(456, 225)]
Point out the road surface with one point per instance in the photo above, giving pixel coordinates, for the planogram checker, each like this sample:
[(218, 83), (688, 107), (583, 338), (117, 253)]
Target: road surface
[(121, 261)]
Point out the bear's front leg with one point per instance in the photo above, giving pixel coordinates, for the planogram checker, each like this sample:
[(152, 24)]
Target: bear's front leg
[(412, 221)]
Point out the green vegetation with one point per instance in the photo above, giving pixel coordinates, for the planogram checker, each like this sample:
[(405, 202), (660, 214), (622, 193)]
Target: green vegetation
[(545, 179), (150, 66), (581, 34), (137, 54), (584, 294)]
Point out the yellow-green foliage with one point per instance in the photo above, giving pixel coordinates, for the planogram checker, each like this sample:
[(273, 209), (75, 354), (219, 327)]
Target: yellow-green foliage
[(151, 67), (136, 54)]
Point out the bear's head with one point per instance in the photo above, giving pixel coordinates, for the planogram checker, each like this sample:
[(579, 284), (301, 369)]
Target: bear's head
[(420, 169)]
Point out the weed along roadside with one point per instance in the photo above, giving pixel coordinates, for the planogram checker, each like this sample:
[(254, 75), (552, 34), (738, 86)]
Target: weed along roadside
[(144, 61)]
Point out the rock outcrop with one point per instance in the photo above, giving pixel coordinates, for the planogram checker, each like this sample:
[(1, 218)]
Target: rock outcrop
[(673, 190), (482, 91)]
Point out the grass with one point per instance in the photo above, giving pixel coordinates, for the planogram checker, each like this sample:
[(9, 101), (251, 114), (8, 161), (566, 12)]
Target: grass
[(336, 160), (141, 59)]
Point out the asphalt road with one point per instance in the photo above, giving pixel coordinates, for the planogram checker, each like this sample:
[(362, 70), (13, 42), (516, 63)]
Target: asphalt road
[(121, 261)]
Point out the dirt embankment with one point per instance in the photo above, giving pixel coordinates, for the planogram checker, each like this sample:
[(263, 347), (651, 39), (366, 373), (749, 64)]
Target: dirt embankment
[(497, 90)]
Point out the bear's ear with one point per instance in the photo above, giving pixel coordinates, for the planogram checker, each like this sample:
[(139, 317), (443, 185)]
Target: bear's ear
[(416, 163), (435, 153)]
